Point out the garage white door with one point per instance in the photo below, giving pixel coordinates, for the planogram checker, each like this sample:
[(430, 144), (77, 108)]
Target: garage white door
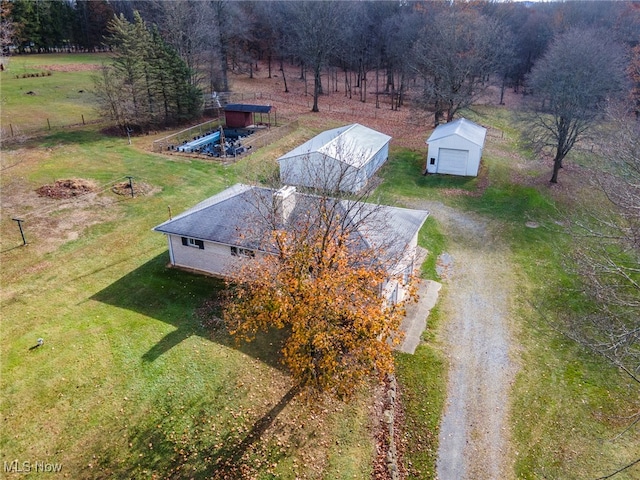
[(452, 161)]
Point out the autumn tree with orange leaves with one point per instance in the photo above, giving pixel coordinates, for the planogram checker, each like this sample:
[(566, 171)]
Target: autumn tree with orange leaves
[(322, 286), (339, 332)]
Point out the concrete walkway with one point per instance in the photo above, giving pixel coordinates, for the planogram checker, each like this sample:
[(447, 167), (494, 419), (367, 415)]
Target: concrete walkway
[(415, 321)]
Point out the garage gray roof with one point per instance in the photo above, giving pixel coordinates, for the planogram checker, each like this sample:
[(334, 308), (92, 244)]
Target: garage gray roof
[(237, 217), (462, 127), (352, 144)]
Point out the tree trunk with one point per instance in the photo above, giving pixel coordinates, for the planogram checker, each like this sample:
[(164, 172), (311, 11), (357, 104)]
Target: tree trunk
[(377, 87), (557, 165), (316, 89), (284, 78), (502, 87)]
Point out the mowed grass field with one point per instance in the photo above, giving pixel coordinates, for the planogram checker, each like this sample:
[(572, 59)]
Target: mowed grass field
[(134, 379), (62, 94), (130, 380)]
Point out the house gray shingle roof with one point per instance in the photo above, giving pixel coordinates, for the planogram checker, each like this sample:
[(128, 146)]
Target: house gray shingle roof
[(237, 216)]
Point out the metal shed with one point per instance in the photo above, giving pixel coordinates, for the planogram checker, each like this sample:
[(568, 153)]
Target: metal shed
[(239, 115), (343, 158), (455, 148)]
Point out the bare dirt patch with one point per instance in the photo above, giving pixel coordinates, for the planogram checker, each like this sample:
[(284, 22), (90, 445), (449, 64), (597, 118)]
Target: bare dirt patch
[(68, 188), (69, 67), (139, 188), (53, 214)]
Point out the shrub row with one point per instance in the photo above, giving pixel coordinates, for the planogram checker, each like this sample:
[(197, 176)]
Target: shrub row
[(32, 75)]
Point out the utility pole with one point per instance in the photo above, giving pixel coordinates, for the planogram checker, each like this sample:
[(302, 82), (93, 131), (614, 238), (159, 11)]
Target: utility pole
[(19, 220)]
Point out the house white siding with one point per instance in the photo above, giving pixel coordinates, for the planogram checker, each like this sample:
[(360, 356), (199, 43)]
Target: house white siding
[(220, 233), (214, 258)]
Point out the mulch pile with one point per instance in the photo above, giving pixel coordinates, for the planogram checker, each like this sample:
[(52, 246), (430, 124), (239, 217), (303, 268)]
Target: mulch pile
[(68, 188), (139, 188)]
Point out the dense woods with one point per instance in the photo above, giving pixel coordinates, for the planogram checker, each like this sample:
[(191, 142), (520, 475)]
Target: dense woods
[(452, 49)]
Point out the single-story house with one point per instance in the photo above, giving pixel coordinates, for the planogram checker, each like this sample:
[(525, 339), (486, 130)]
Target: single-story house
[(239, 115), (456, 148), (343, 159), (235, 226)]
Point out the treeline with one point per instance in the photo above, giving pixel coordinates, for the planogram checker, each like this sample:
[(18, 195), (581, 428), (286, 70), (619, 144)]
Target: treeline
[(43, 26), (447, 53), (447, 50), (147, 84)]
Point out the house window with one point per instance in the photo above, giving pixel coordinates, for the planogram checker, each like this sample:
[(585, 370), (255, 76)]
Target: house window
[(242, 252), (192, 242)]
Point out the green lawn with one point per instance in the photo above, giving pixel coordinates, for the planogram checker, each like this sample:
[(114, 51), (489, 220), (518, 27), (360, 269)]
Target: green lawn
[(129, 381), (569, 407), (61, 94)]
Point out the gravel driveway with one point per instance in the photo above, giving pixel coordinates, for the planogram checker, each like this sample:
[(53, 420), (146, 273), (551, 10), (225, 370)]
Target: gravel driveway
[(478, 283)]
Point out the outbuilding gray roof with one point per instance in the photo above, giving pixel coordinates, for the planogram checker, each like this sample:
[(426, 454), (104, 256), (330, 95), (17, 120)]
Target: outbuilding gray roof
[(462, 127), (241, 107), (352, 144), (238, 217)]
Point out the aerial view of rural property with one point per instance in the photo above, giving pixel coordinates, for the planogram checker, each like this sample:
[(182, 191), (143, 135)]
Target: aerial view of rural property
[(320, 239)]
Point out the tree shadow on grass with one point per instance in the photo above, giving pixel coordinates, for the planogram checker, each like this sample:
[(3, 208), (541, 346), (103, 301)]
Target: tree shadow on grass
[(172, 296), (196, 451), (231, 460)]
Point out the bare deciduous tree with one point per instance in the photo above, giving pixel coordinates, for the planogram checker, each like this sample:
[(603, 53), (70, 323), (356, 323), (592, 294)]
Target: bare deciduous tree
[(609, 256), (7, 27), (572, 84), (454, 55), (316, 33)]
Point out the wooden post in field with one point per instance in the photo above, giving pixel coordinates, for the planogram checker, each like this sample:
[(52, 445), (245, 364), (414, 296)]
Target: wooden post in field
[(19, 220), (11, 128), (130, 184), (48, 124), (83, 119)]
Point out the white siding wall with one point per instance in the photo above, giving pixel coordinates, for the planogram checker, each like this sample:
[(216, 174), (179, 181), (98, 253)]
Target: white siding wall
[(394, 289), (214, 258), (319, 171), (458, 143)]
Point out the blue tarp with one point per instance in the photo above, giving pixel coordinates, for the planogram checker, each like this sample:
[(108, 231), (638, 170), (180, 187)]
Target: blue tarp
[(196, 145)]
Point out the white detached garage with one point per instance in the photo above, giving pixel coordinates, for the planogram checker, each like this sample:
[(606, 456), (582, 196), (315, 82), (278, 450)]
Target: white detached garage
[(455, 148), (342, 159)]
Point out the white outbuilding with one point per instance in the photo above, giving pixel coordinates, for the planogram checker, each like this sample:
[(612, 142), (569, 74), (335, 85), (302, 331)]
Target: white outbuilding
[(455, 148), (343, 158)]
